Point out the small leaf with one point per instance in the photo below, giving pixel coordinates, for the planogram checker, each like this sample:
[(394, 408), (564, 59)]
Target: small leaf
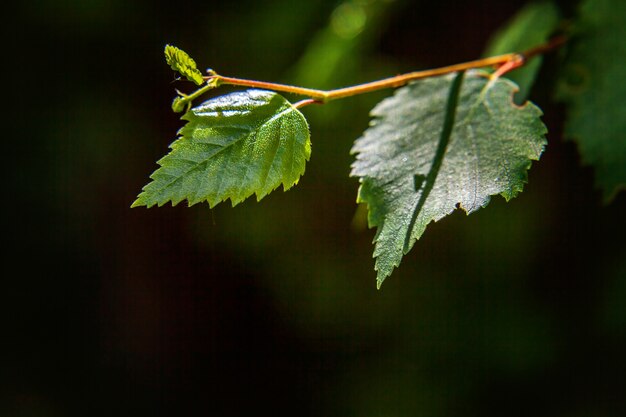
[(594, 88), (438, 144), (233, 146), (181, 62), (531, 26)]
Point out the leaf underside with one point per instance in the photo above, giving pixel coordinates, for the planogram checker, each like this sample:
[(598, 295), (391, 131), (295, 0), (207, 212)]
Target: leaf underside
[(232, 146), (438, 144), (593, 86)]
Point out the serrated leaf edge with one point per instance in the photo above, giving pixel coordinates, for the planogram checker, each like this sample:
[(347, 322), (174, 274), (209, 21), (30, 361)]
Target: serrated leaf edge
[(259, 195)]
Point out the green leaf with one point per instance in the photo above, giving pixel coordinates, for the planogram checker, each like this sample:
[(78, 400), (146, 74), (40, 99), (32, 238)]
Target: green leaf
[(593, 85), (233, 146), (438, 144), (531, 26), (181, 62)]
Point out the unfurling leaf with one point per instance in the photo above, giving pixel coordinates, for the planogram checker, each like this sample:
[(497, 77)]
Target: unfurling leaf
[(438, 144), (233, 146), (594, 87), (181, 62)]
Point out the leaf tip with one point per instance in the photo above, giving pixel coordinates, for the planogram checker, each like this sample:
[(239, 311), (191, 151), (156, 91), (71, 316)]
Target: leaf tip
[(138, 203), (382, 272)]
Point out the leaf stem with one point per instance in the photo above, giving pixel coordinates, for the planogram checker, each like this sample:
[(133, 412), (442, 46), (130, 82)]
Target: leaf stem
[(306, 102), (391, 82), (316, 94), (544, 47), (504, 62)]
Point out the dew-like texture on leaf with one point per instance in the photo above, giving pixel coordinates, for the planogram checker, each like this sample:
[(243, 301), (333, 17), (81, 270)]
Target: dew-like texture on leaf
[(593, 84), (181, 62), (437, 144), (233, 146), (531, 26)]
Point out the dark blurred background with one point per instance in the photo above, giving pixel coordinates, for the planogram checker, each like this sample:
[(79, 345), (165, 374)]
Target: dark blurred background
[(271, 307)]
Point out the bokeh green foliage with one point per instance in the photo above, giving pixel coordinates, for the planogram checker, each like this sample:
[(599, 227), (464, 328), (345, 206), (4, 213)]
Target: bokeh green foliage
[(593, 89), (531, 26)]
